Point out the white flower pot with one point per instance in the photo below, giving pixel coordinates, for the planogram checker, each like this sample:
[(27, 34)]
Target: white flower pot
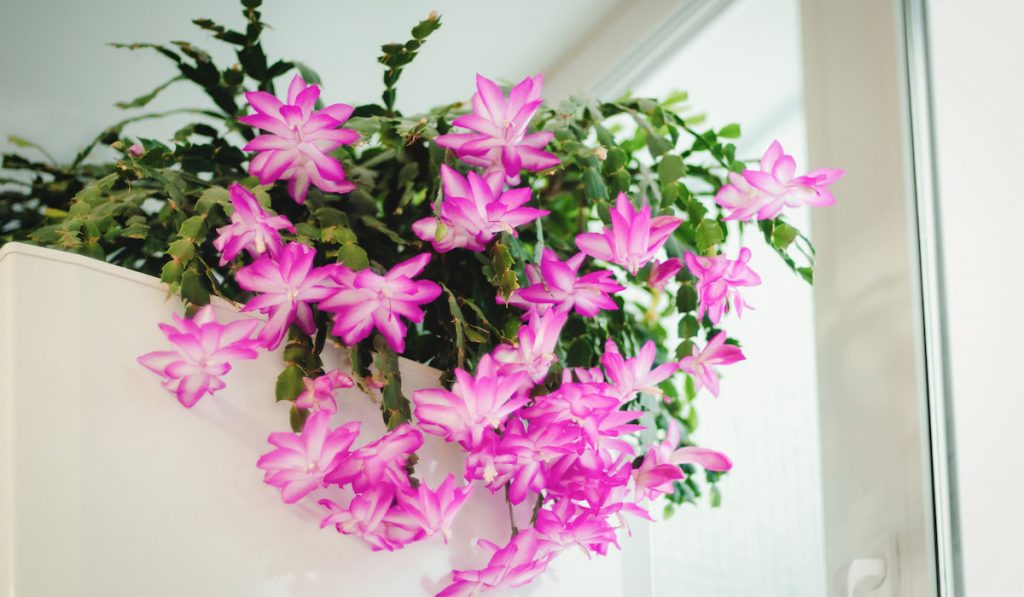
[(109, 487)]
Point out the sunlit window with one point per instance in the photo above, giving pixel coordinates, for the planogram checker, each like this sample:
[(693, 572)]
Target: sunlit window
[(766, 538)]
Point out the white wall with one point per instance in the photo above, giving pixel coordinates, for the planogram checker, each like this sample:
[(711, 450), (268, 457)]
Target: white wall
[(59, 79), (978, 71)]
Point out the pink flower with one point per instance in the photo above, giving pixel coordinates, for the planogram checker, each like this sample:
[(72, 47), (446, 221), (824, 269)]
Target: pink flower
[(251, 228), (299, 463), (319, 392), (638, 374), (573, 402), (300, 140), (588, 375), (589, 407), (531, 452), (661, 466), (634, 237), (662, 272), (613, 499), (611, 426), (135, 150), (762, 194), (367, 300), (535, 351), (558, 287), (525, 557), (364, 517), (285, 287), (501, 142), (654, 477), (700, 364), (566, 525), (484, 463), (381, 462), (718, 280), (474, 405), (473, 214), (598, 475), (713, 460), (429, 512), (203, 351)]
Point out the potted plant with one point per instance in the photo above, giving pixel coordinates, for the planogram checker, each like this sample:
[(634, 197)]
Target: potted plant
[(564, 269)]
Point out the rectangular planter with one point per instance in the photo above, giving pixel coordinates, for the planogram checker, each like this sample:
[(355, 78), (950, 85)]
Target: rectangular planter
[(109, 487)]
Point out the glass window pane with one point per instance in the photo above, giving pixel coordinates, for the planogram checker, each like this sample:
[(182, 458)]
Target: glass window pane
[(767, 538)]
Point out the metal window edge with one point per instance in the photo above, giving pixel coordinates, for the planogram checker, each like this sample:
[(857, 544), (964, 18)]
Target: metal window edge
[(932, 296)]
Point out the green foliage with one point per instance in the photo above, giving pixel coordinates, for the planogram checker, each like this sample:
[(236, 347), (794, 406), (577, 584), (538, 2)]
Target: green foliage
[(396, 56), (302, 359), (394, 405), (158, 212)]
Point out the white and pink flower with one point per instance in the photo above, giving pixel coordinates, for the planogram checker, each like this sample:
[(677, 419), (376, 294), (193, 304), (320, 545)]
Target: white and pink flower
[(701, 364), (251, 229), (300, 462), (202, 354), (762, 194), (472, 214), (718, 281), (501, 142), (318, 392), (556, 285), (366, 301), (633, 239), (299, 140), (473, 406), (285, 287)]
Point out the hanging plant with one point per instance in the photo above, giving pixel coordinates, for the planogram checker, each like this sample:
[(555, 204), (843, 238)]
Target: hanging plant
[(564, 267)]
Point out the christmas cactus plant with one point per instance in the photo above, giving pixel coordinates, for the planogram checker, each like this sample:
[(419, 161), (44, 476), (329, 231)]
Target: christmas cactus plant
[(565, 267)]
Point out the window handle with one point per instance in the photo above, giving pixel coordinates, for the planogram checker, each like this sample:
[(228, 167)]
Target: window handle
[(864, 574)]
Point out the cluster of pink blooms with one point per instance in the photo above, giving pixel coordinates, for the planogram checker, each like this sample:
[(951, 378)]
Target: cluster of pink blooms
[(385, 507), (571, 452)]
